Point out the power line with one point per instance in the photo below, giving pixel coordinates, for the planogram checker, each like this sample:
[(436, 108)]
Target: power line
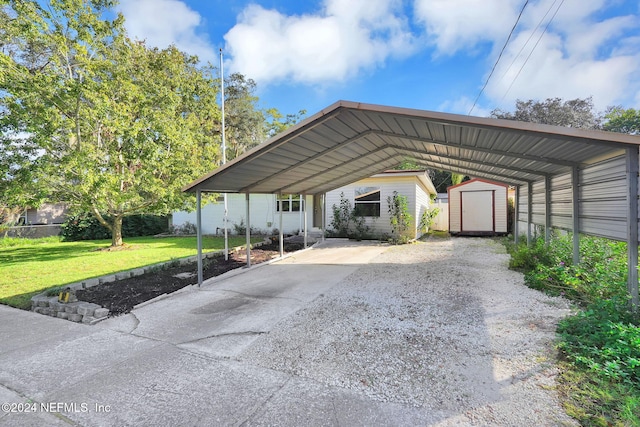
[(499, 56), (534, 47), (528, 40)]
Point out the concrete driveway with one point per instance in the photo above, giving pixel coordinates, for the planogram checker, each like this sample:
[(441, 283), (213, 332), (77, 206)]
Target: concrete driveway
[(344, 334), (171, 362)]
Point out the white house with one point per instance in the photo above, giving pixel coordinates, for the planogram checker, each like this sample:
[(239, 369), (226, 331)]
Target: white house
[(369, 196)]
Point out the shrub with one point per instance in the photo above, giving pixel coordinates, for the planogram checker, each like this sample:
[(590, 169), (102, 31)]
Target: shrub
[(600, 382), (85, 226), (346, 222), (601, 273), (187, 228), (342, 215), (241, 229), (400, 218), (427, 218)]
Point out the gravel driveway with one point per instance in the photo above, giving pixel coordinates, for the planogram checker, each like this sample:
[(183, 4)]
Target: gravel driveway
[(443, 326)]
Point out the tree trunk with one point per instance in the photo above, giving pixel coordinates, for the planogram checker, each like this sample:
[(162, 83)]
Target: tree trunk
[(116, 231)]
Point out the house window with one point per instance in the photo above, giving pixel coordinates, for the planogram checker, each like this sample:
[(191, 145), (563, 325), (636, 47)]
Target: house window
[(367, 201), (289, 203)]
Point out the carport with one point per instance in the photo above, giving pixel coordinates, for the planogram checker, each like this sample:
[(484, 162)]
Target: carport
[(571, 179)]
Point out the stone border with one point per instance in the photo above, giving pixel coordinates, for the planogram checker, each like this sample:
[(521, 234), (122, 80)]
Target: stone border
[(90, 313)]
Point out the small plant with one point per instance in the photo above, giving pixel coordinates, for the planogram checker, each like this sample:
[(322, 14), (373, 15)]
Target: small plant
[(361, 229), (400, 218), (427, 218), (347, 223), (241, 229), (342, 216), (187, 228)]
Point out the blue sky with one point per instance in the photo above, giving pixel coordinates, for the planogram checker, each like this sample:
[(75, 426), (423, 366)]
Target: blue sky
[(424, 54)]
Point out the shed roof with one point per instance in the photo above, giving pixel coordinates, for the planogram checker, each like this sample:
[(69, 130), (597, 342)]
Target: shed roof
[(349, 141), (471, 181)]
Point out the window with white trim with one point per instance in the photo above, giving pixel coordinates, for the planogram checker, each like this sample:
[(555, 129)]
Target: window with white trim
[(367, 201), (289, 203)]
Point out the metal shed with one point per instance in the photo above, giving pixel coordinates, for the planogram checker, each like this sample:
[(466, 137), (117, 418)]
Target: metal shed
[(478, 207), (582, 181)]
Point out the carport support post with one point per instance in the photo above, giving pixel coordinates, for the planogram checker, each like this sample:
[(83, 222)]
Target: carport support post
[(280, 233), (632, 226), (547, 209), (303, 206), (248, 232), (516, 213), (529, 211), (199, 233), (575, 213), (323, 200)]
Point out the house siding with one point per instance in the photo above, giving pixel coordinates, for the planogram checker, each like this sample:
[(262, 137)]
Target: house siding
[(264, 215), (409, 186), (47, 214)]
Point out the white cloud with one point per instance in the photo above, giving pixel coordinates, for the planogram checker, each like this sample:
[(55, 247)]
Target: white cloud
[(165, 22), (464, 105), (577, 57), (454, 25), (332, 45)]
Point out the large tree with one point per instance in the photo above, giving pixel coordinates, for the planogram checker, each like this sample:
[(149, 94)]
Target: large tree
[(115, 128), (623, 121), (576, 113)]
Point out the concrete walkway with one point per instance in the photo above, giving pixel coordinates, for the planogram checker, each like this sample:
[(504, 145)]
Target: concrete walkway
[(172, 362)]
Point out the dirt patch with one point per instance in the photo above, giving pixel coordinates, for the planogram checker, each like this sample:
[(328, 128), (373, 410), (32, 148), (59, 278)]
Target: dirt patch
[(121, 296)]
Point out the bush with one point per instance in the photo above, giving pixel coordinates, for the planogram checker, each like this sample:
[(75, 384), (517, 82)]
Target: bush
[(184, 229), (342, 215), (427, 218), (399, 217), (347, 223), (601, 273), (86, 227), (600, 382)]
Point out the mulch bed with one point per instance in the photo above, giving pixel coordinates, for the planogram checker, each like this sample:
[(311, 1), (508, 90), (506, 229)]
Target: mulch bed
[(121, 296)]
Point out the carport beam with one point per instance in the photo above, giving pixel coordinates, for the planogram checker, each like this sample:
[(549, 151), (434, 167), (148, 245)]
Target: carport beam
[(632, 226), (248, 232)]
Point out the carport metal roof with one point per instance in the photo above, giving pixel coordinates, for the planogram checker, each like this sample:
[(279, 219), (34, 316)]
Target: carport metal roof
[(349, 141), (581, 180)]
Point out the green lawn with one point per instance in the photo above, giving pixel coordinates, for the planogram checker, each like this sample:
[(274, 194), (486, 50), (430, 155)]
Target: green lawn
[(28, 267)]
